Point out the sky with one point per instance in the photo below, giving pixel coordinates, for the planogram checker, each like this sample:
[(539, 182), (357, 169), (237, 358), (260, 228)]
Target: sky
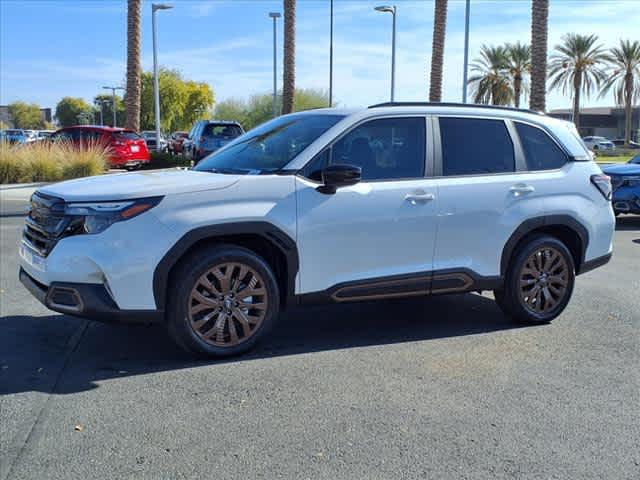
[(51, 48)]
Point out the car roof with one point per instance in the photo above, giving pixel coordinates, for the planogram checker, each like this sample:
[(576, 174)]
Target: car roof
[(95, 127)]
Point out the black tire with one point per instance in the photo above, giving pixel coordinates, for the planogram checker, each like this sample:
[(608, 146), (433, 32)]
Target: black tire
[(510, 298), (186, 278)]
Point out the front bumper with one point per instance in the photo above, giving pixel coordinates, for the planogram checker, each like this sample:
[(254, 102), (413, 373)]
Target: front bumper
[(86, 300)]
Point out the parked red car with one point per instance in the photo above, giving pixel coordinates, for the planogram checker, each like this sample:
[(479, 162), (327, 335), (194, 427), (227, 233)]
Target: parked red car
[(127, 149), (175, 142)]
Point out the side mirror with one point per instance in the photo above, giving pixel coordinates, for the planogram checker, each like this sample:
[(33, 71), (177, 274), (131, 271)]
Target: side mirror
[(336, 176)]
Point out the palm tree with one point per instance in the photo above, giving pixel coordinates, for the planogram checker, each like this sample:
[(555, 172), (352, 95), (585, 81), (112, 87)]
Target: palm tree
[(289, 73), (437, 50), (539, 26), (577, 67), (134, 69), (491, 82), (624, 76), (518, 65)]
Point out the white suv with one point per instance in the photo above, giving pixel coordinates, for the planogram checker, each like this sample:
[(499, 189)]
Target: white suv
[(328, 205)]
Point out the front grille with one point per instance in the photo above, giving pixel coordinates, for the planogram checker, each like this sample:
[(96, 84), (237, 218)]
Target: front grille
[(45, 224)]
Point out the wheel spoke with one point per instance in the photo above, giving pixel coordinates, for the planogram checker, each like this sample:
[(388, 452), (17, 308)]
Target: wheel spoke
[(204, 281), (244, 321), (224, 278), (199, 323), (212, 302)]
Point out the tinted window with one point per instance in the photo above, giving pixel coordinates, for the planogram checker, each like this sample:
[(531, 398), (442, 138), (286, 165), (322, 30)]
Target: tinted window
[(126, 136), (270, 146), (221, 131), (635, 159), (475, 146), (384, 149), (541, 153)]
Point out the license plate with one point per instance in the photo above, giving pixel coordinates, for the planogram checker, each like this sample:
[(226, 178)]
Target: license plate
[(32, 258), (135, 148)]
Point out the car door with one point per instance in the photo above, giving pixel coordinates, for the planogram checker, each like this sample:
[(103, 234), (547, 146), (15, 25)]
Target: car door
[(485, 193), (375, 238)]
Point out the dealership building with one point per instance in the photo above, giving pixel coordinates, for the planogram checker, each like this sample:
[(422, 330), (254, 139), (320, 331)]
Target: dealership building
[(603, 121)]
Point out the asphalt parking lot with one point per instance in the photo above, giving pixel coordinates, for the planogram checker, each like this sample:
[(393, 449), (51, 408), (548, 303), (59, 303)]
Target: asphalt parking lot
[(442, 387)]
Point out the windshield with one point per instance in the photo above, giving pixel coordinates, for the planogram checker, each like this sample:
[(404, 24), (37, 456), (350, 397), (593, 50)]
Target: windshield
[(270, 146), (635, 159)]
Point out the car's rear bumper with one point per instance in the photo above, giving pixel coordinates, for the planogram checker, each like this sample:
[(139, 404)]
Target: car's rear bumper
[(86, 300)]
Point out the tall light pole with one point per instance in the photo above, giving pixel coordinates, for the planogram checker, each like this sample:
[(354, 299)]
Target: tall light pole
[(113, 99), (392, 11), (275, 16), (331, 56), (156, 89), (466, 51)]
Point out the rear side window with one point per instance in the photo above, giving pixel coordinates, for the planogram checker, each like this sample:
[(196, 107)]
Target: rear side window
[(541, 153), (475, 146)]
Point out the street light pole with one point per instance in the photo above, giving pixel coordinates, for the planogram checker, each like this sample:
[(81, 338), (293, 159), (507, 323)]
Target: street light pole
[(274, 16), (392, 10), (113, 101), (466, 51), (331, 56), (156, 89)]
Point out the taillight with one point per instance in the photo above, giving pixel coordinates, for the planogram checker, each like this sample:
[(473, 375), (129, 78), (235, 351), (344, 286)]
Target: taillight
[(603, 184)]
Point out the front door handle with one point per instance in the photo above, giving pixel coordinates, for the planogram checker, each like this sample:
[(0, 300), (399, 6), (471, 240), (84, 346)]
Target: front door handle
[(522, 188), (417, 197)]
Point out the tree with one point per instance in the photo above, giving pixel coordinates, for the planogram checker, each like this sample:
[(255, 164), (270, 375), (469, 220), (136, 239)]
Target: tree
[(134, 69), (182, 102), (624, 77), (259, 108), (437, 50), (491, 82), (539, 27), (232, 109), (576, 66), (518, 66), (25, 115), (105, 102), (289, 70), (70, 110)]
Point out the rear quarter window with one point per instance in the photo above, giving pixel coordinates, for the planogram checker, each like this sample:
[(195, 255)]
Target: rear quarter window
[(540, 151)]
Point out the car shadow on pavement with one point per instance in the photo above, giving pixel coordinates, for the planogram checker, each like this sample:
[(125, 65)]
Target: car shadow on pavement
[(63, 355), (628, 222)]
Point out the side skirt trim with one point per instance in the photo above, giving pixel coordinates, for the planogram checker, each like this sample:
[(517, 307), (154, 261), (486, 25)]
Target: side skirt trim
[(401, 286)]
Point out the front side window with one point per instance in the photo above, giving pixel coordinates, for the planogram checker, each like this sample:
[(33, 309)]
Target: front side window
[(270, 146), (473, 146), (388, 148), (541, 153)]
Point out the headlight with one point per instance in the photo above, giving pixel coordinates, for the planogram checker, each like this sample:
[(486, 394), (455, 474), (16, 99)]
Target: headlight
[(95, 217)]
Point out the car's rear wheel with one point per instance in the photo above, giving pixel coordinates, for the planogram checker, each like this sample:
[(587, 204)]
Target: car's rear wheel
[(225, 299), (539, 281)]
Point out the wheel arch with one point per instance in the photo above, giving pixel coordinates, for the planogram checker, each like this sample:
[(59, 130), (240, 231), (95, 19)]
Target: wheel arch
[(277, 248), (563, 227)]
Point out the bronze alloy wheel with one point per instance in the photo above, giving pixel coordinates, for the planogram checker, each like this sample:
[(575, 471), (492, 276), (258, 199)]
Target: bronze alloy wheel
[(544, 280), (227, 304)]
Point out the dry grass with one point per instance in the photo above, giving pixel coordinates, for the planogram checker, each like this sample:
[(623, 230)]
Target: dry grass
[(50, 162)]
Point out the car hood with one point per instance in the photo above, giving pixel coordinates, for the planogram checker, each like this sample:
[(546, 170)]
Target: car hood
[(624, 169), (150, 183)]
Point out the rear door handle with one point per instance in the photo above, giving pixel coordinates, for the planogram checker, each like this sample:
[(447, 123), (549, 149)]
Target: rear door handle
[(521, 188), (421, 197)]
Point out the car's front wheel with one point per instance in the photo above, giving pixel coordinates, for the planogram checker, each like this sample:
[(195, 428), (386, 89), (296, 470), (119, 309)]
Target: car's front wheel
[(539, 281), (224, 300)]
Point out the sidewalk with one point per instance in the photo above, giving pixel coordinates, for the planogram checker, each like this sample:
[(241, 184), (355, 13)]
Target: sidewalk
[(14, 198)]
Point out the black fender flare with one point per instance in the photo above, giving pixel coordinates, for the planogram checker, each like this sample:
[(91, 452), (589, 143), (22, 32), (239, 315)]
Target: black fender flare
[(536, 223), (269, 232)]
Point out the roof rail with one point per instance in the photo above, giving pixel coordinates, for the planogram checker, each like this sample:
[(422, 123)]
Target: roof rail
[(451, 104)]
